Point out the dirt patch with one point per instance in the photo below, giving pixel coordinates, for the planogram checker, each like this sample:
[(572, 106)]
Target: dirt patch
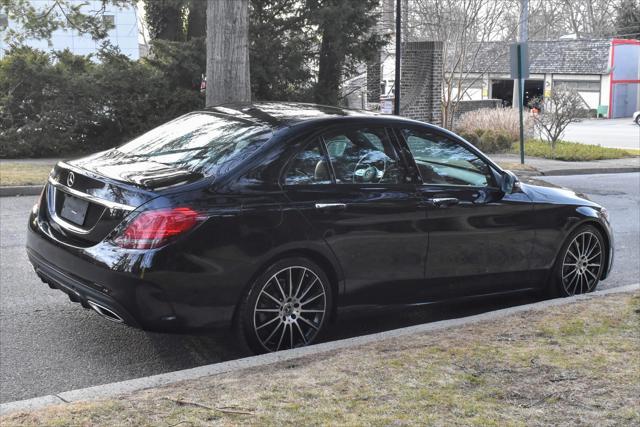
[(576, 364)]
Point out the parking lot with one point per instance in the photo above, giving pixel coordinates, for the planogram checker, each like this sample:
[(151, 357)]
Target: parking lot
[(614, 133)]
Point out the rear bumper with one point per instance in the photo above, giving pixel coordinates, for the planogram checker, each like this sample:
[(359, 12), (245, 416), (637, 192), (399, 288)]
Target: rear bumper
[(81, 292), (130, 284)]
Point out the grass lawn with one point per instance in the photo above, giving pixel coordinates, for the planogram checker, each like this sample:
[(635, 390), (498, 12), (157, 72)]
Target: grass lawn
[(23, 173), (569, 365), (572, 151)]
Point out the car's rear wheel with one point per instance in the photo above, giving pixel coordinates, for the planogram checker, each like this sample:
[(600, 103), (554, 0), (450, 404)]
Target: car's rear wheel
[(582, 258), (286, 307)]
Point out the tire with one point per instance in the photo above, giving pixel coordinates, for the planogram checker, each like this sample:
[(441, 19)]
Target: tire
[(638, 120), (580, 262), (273, 313)]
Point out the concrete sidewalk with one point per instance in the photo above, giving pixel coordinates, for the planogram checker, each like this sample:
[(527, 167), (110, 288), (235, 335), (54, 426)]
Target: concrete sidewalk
[(542, 166)]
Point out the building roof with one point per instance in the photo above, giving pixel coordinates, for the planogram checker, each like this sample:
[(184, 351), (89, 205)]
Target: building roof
[(549, 56)]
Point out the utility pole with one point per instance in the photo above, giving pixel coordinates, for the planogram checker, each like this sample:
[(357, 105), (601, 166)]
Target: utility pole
[(518, 84), (523, 36), (396, 84)]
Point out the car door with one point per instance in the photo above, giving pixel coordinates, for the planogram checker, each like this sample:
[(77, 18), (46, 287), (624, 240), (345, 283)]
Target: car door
[(480, 239), (353, 188)]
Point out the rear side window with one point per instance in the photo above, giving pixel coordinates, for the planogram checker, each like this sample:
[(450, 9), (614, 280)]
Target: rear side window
[(310, 166), (205, 143), (364, 156)]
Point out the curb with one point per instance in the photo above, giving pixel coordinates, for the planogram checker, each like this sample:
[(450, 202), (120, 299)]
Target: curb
[(128, 386), (578, 171), (20, 190), (587, 171)]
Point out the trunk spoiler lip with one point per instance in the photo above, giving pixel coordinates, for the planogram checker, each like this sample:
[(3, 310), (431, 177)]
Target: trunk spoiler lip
[(130, 186), (105, 178)]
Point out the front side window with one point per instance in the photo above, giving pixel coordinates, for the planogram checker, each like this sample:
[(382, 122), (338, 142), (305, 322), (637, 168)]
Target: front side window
[(200, 142), (309, 167), (364, 156), (442, 160)]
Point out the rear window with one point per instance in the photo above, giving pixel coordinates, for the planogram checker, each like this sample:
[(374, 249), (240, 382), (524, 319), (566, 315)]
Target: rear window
[(204, 143)]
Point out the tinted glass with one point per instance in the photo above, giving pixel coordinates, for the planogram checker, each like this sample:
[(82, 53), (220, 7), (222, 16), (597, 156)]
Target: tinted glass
[(364, 156), (309, 167), (201, 142), (441, 160)]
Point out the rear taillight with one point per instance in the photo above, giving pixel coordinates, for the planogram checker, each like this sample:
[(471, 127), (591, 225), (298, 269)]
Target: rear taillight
[(155, 228)]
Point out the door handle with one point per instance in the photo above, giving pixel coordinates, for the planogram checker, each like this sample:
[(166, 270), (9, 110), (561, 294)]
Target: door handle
[(443, 202), (333, 206)]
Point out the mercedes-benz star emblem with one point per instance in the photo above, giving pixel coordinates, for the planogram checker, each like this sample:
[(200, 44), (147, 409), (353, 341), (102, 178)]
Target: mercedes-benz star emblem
[(71, 178)]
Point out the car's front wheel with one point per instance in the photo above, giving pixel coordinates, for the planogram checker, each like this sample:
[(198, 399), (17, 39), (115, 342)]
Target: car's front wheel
[(286, 307), (581, 261)]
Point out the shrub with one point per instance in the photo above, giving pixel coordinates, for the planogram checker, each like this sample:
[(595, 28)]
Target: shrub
[(60, 104), (504, 122), (489, 141)]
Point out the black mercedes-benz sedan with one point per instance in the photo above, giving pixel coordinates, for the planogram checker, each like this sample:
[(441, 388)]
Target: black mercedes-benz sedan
[(272, 217)]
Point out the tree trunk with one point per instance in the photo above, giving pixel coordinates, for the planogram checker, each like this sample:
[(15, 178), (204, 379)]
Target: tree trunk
[(227, 52), (329, 69), (197, 24)]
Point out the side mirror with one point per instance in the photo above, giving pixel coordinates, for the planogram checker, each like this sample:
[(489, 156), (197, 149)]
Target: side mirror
[(509, 182)]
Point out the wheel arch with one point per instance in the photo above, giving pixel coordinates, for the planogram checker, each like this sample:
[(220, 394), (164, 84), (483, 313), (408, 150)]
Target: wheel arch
[(607, 242)]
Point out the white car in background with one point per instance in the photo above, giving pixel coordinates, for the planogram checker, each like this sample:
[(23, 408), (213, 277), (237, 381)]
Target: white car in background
[(636, 117)]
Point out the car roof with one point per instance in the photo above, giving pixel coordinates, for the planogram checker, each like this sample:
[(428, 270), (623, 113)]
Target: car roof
[(284, 114)]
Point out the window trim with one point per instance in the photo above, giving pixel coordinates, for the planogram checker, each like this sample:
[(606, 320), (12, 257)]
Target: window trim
[(393, 144), (320, 135), (291, 159), (455, 139)]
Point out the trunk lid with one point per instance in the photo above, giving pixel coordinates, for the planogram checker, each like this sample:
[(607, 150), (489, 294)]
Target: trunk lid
[(86, 199)]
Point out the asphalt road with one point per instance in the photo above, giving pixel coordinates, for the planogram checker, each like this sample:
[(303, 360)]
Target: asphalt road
[(49, 345), (615, 133)]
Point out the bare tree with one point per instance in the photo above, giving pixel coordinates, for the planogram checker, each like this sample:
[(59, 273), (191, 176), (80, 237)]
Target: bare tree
[(563, 107), (551, 19), (590, 18), (463, 26), (227, 52)]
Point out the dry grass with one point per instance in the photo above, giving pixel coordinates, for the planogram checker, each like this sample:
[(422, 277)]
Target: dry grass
[(23, 173), (501, 120), (571, 365), (572, 151)]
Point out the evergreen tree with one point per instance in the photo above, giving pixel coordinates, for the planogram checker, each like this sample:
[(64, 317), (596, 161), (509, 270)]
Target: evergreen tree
[(345, 28), (38, 20), (165, 19), (281, 50)]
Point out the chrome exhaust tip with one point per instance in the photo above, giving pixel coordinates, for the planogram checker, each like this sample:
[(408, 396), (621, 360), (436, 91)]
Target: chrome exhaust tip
[(105, 312)]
